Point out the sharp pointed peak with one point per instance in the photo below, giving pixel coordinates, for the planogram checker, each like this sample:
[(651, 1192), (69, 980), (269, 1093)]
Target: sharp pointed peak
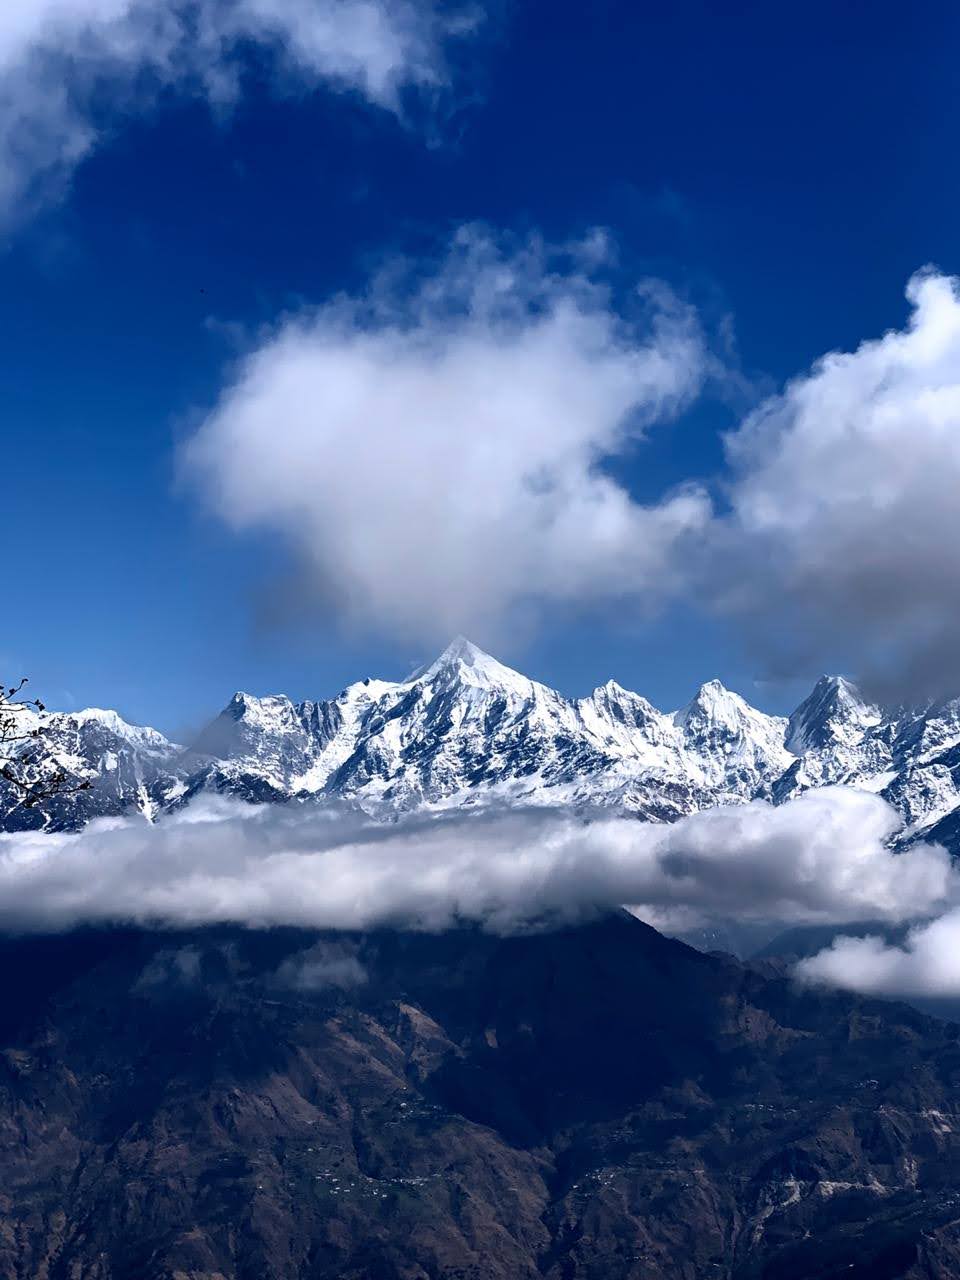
[(715, 702), (614, 690), (611, 701), (714, 686), (460, 649), (836, 683), (611, 686), (833, 692), (467, 661), (832, 711), (711, 692)]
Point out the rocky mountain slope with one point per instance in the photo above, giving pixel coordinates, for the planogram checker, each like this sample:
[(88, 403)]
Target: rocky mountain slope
[(600, 1102), (468, 730)]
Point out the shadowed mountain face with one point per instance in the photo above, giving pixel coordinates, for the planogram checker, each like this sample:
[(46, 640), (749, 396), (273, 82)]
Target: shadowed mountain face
[(600, 1102)]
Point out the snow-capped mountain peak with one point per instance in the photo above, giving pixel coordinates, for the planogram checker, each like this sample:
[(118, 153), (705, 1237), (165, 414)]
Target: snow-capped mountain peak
[(468, 730), (732, 743), (463, 662), (622, 705), (833, 713), (99, 725), (837, 737), (717, 710), (107, 764), (246, 719), (269, 712), (102, 719), (713, 703)]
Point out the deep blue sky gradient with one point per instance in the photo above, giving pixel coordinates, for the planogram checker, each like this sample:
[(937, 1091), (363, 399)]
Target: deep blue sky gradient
[(786, 166)]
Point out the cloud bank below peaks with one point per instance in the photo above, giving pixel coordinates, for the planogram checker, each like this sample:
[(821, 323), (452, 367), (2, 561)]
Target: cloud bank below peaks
[(821, 858), (433, 449), (926, 964), (70, 69)]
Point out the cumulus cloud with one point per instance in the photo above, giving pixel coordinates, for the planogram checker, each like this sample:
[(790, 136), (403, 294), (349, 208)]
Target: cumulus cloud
[(845, 508), (438, 453), (927, 963), (434, 449), (822, 858), (69, 69)]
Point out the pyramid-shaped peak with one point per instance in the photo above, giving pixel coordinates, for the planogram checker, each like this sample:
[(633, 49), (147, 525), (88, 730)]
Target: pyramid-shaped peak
[(464, 661), (715, 704), (837, 687), (612, 692), (834, 693), (460, 649), (612, 702), (614, 689), (834, 711), (712, 695), (714, 689)]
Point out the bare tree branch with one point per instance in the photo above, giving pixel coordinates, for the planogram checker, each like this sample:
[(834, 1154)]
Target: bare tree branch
[(21, 721)]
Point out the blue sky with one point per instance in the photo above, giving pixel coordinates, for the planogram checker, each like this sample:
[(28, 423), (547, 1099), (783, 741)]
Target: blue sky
[(785, 171)]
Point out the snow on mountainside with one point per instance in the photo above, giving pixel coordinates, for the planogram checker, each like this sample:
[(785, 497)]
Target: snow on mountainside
[(467, 730), (735, 746), (836, 737), (121, 762)]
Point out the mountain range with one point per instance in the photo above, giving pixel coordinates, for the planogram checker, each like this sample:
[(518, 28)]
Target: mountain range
[(467, 730), (597, 1102)]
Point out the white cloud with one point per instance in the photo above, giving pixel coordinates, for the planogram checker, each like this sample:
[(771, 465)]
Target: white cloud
[(926, 964), (181, 968), (819, 859), (433, 449), (846, 507), (436, 453), (324, 965), (70, 69)]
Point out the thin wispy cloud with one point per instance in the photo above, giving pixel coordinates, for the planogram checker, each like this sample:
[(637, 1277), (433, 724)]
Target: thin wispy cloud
[(71, 71)]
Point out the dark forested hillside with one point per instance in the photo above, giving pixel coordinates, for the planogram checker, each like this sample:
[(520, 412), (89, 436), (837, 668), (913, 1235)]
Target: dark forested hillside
[(600, 1102)]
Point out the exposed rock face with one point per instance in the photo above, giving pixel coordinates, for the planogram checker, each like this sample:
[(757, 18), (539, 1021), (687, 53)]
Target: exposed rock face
[(600, 1102), (469, 731)]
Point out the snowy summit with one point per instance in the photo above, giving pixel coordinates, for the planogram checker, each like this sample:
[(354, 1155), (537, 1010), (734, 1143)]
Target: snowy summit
[(468, 730)]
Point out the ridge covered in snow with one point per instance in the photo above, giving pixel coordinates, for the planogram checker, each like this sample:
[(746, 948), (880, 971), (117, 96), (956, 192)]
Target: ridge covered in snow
[(468, 730)]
